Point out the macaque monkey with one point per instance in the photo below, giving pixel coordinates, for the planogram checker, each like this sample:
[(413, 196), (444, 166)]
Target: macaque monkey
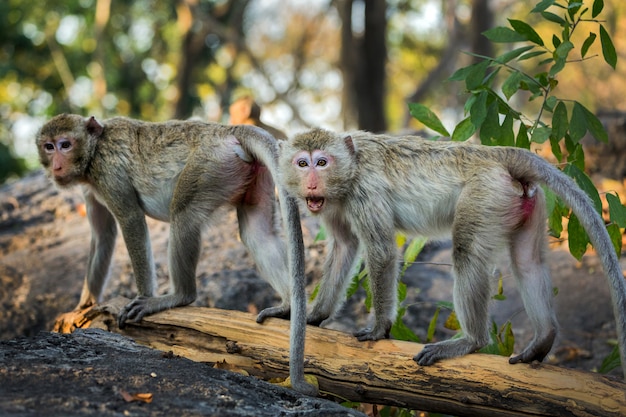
[(245, 111), (178, 172), (366, 187)]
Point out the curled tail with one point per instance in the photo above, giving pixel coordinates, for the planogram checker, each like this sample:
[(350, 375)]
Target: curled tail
[(527, 166)]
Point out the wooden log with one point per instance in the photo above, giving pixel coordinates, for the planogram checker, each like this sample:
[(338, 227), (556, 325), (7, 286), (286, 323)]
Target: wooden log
[(381, 372)]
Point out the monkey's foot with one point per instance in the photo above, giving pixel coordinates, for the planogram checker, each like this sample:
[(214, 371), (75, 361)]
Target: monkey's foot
[(281, 312), (435, 352), (72, 320), (142, 306), (377, 333), (536, 351)]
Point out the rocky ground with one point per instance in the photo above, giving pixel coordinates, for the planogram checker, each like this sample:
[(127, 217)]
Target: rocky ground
[(44, 241)]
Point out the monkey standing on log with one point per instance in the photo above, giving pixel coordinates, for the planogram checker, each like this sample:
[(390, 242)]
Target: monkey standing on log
[(365, 187), (178, 172)]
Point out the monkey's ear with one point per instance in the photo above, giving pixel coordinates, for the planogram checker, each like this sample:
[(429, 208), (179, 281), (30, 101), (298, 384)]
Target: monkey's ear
[(94, 127), (350, 144)]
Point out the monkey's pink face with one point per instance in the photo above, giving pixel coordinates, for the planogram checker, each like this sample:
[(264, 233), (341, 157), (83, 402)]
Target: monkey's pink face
[(58, 158), (311, 167)]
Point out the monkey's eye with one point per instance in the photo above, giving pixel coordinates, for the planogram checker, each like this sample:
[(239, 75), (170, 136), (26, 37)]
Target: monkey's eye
[(48, 147), (65, 144), (322, 162), (302, 163)]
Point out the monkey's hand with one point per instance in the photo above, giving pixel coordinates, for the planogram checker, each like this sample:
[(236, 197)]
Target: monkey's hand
[(282, 311), (378, 332)]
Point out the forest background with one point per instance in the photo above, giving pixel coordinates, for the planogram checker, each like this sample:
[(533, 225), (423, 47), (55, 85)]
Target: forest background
[(341, 64)]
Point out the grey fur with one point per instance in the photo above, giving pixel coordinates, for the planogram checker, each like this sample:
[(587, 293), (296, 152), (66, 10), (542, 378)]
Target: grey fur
[(488, 198)]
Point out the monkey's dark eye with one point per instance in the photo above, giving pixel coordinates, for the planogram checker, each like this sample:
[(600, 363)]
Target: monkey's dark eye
[(302, 163), (322, 162), (66, 144), (48, 146)]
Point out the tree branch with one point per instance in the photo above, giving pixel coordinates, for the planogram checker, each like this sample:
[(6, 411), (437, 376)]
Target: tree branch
[(381, 372)]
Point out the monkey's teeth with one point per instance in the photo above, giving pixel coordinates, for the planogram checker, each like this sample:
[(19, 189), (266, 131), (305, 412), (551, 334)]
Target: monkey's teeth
[(315, 203)]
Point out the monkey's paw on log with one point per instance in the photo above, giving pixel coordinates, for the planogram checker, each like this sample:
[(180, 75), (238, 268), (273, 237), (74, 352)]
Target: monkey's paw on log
[(381, 372)]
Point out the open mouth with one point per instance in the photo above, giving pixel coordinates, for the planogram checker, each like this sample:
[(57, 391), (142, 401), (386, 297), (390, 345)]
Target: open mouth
[(315, 204)]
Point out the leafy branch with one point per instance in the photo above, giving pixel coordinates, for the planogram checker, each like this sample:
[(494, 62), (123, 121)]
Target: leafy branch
[(493, 81)]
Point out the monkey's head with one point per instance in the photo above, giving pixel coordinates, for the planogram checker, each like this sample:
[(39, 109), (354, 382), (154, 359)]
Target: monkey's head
[(66, 144), (319, 166)]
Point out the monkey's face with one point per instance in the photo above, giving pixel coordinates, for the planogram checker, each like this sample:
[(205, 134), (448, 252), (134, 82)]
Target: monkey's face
[(312, 168), (57, 155)]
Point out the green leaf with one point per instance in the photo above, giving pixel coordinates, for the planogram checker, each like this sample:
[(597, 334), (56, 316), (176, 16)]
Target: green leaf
[(400, 331), (608, 49), (617, 211), (506, 136), (428, 118), (475, 77), (585, 183), (560, 123), (526, 30), (560, 57), (587, 44), (478, 111), (556, 41), (594, 125), (542, 5), (612, 361), (432, 325), (556, 148), (490, 127), (577, 237), (503, 35), (511, 84), (577, 156), (531, 55), (413, 250), (464, 130), (555, 221), (573, 7), (577, 124), (597, 7), (616, 237), (521, 141), (540, 134), (508, 56), (553, 18), (321, 234)]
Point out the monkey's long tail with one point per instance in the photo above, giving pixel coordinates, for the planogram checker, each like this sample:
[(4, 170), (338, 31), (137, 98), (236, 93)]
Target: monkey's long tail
[(264, 148), (531, 167)]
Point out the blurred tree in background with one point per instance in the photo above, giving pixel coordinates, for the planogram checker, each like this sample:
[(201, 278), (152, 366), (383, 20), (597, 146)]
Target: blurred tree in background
[(343, 64)]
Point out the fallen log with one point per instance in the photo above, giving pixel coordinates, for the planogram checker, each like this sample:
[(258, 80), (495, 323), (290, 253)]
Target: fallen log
[(381, 372)]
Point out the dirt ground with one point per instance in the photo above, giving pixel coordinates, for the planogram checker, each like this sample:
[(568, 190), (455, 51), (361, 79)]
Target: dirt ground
[(44, 243)]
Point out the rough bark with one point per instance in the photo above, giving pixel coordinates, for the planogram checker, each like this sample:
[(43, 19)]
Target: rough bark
[(381, 372)]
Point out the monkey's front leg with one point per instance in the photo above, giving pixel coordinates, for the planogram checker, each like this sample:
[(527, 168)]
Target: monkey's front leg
[(103, 235), (342, 249), (382, 266)]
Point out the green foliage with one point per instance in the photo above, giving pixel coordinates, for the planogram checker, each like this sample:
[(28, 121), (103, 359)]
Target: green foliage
[(612, 361), (493, 81)]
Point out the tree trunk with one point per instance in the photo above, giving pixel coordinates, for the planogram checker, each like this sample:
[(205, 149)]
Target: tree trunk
[(381, 372), (363, 61)]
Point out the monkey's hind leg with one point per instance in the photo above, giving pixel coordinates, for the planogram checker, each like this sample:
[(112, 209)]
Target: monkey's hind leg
[(183, 254), (528, 247), (476, 237), (258, 230)]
